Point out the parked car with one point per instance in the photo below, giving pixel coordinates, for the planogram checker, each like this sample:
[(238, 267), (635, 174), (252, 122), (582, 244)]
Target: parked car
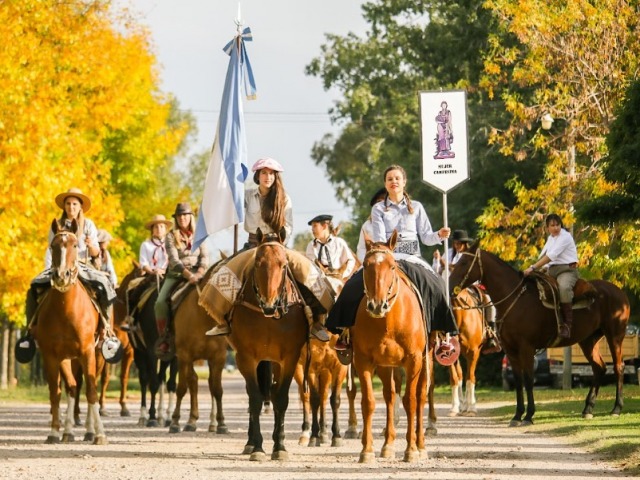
[(541, 371)]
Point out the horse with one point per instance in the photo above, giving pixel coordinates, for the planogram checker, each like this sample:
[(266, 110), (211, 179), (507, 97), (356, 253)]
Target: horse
[(190, 324), (67, 325), (467, 310), (266, 327), (525, 325), (390, 331), (152, 373)]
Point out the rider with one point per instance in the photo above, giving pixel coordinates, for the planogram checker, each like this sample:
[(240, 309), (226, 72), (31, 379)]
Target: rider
[(183, 265), (268, 208), (103, 261), (74, 205), (330, 251), (398, 212), (461, 243), (561, 256)]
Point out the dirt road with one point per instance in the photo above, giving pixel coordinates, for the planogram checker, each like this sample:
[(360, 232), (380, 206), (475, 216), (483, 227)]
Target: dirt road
[(465, 448)]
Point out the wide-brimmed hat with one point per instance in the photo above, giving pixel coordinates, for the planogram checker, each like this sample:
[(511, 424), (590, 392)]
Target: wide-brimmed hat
[(380, 193), (74, 192), (267, 162), (156, 220), (104, 236), (461, 236), (320, 219), (183, 209)]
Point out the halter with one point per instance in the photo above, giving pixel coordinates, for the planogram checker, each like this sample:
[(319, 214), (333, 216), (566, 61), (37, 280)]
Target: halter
[(476, 256), (390, 298), (71, 279), (281, 307)]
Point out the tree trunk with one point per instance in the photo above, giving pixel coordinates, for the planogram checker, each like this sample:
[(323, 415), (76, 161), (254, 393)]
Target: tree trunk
[(4, 358)]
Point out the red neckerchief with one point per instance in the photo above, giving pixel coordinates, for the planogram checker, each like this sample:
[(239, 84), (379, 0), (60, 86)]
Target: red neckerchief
[(159, 246), (187, 235)]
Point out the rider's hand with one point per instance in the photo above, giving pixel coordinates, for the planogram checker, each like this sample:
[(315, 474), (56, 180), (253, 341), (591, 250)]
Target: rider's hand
[(444, 232), (528, 271)]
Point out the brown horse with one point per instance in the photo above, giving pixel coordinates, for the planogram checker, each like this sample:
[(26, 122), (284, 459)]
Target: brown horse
[(265, 327), (390, 331), (525, 325), (190, 324), (67, 324), (467, 311)]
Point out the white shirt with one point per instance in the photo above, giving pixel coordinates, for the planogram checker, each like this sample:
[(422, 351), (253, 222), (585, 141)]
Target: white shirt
[(396, 216), (561, 249), (90, 231), (361, 250), (253, 214), (153, 255), (333, 254)]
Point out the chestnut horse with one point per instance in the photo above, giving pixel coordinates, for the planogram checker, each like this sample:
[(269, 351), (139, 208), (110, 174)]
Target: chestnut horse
[(525, 325), (67, 325), (390, 331), (265, 327), (190, 323), (467, 311)]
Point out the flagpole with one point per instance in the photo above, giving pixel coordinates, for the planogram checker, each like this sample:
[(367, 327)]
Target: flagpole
[(238, 23)]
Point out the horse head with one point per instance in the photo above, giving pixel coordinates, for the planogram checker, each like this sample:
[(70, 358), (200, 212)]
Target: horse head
[(381, 282), (270, 273), (64, 256), (467, 270)]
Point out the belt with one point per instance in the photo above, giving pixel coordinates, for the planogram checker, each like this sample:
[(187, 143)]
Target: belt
[(411, 247), (570, 265)]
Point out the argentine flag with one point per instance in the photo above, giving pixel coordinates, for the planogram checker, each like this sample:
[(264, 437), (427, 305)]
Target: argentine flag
[(223, 199)]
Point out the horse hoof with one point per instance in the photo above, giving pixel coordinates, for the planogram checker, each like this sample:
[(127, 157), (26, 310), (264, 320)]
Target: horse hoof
[(351, 434), (367, 457), (89, 437), (152, 423), (280, 455), (257, 457), (222, 429), (314, 442), (469, 413), (51, 439), (142, 422), (174, 428), (587, 416), (336, 442), (189, 428), (303, 441), (424, 455), (526, 423), (68, 438), (453, 413), (411, 456), (100, 440), (103, 412), (167, 423), (247, 450), (515, 423), (431, 432), (387, 452), (77, 422), (324, 439), (125, 413)]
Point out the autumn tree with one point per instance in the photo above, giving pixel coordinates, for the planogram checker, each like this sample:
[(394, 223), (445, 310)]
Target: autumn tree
[(79, 106), (572, 60)]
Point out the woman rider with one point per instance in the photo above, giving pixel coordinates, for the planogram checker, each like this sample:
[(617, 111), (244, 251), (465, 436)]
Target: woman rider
[(268, 208)]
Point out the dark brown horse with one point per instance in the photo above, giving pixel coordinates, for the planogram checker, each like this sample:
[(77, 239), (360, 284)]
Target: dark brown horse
[(390, 331), (190, 324), (67, 324), (525, 325), (467, 311), (265, 327)]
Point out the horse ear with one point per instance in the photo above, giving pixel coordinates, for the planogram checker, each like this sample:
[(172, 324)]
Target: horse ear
[(393, 239), (474, 246), (259, 235), (136, 264), (336, 230), (55, 226), (282, 234), (367, 241)]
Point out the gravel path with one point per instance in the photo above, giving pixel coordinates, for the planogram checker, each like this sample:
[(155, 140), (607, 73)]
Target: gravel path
[(465, 448)]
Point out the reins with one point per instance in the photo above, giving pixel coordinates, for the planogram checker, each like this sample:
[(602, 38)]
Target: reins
[(281, 302), (390, 298)]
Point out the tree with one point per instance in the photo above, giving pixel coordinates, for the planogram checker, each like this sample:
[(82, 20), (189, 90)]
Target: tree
[(411, 46), (574, 61)]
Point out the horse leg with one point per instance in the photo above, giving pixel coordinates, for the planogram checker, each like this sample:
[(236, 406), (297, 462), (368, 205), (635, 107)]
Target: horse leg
[(455, 381), (592, 354), (52, 374), (305, 434), (103, 371), (94, 426), (76, 372), (185, 369), (324, 389), (280, 399), (171, 385), (352, 391), (389, 394), (73, 399), (413, 369), (194, 412), (615, 346), (471, 408), (249, 370), (216, 422), (367, 406), (143, 376), (430, 386), (336, 389), (314, 403), (125, 367)]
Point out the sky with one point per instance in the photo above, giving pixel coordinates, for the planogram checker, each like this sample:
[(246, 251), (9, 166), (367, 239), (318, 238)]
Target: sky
[(291, 110)]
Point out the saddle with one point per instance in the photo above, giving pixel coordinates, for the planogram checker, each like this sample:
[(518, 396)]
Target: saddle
[(584, 293)]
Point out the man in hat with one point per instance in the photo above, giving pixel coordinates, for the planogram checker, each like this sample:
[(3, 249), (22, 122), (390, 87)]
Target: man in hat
[(331, 253)]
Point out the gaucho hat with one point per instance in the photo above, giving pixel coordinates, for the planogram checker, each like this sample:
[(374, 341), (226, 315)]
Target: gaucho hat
[(380, 193), (320, 219), (461, 236), (183, 209)]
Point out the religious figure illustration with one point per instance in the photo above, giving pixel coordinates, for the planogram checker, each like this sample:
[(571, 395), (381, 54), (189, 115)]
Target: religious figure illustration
[(444, 137)]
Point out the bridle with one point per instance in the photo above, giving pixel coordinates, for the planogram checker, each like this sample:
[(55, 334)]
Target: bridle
[(68, 275), (280, 306), (391, 296)]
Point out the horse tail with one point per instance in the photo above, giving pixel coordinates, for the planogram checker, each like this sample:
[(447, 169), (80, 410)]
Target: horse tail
[(265, 379)]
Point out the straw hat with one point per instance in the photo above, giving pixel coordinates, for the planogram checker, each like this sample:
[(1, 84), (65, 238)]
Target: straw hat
[(158, 219), (77, 193)]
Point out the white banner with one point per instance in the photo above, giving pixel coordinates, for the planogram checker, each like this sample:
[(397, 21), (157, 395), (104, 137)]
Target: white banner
[(443, 118)]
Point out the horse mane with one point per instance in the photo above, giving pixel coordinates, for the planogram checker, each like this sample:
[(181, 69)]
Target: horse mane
[(475, 247)]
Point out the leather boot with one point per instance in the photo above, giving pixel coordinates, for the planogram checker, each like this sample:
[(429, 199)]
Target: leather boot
[(317, 330), (220, 329), (567, 317), (491, 345)]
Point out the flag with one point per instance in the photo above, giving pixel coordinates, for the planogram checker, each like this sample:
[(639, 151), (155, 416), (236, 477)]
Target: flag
[(223, 199)]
